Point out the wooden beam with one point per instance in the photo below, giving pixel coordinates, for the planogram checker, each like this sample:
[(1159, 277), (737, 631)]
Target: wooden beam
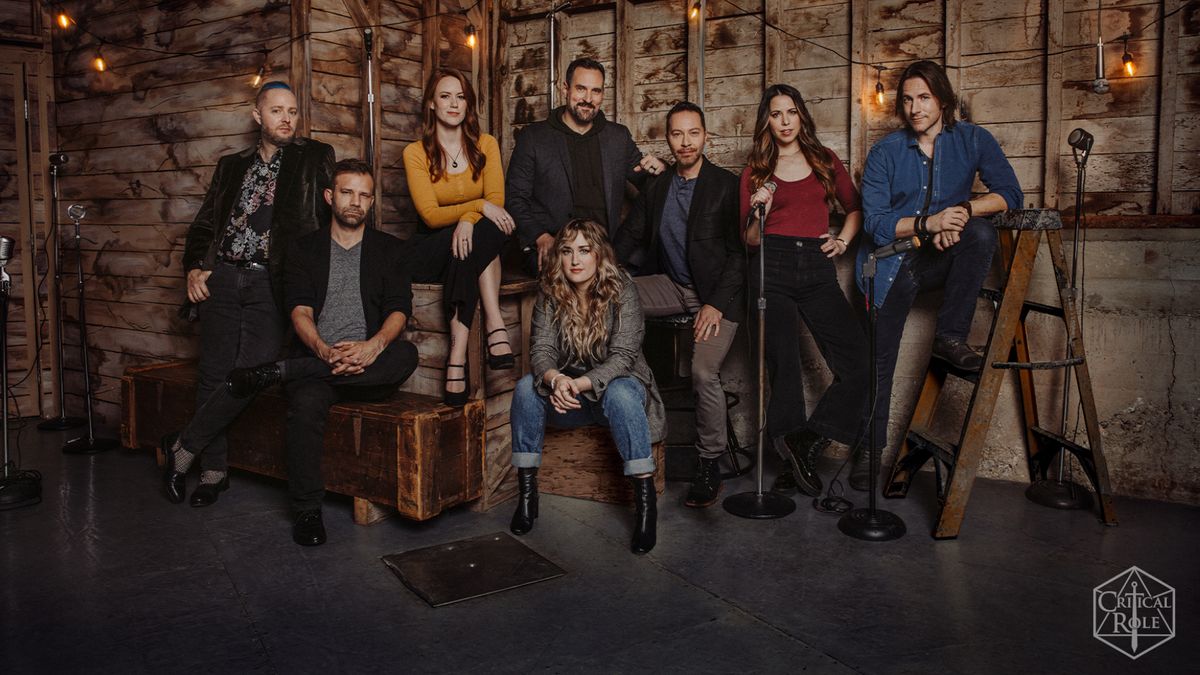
[(500, 108), (695, 55), (952, 48), (300, 68), (859, 99), (623, 23), (1053, 113), (1168, 64), (772, 43), (431, 34), (48, 386)]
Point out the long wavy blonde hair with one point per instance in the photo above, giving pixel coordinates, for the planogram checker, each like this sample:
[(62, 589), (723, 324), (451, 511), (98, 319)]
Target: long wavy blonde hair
[(583, 328)]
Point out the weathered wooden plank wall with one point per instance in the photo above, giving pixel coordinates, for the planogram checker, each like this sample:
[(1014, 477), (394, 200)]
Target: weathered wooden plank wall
[(1011, 76)]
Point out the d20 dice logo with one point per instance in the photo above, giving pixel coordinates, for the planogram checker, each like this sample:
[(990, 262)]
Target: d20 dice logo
[(1133, 612)]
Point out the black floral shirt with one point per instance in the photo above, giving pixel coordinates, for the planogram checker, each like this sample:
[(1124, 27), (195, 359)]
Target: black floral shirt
[(248, 235)]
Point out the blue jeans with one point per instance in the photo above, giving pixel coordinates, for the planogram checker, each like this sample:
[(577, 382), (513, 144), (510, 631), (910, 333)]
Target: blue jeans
[(622, 409)]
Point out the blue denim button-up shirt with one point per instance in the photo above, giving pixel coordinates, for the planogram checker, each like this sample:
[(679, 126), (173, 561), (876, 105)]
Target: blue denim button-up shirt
[(896, 179)]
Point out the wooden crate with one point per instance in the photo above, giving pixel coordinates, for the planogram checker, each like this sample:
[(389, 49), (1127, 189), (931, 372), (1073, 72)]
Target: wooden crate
[(409, 452), (584, 463)]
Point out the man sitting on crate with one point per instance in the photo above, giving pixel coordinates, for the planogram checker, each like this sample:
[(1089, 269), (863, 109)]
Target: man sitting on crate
[(349, 300), (681, 239)]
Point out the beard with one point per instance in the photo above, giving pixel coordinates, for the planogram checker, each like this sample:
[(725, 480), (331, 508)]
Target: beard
[(351, 220), (277, 140), (581, 114)]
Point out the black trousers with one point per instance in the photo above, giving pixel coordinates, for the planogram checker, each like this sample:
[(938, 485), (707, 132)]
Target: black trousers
[(430, 262), (802, 285), (312, 390), (240, 326)]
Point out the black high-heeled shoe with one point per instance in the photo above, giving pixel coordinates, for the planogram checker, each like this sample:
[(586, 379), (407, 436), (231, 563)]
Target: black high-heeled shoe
[(500, 361), (645, 519), (456, 399)]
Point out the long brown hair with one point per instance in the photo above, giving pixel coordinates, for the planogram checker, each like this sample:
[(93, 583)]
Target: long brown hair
[(764, 153), (469, 126), (583, 329), (939, 86)]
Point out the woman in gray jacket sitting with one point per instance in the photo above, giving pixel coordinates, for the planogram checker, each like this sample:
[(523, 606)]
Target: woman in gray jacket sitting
[(588, 368)]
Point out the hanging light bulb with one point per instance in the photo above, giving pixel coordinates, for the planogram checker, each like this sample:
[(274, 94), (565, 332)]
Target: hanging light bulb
[(694, 12), (259, 77), (879, 98), (98, 62), (63, 21), (1127, 59), (470, 33)]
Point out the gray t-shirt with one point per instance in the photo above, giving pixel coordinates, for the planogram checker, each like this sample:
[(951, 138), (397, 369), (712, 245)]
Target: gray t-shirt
[(342, 316)]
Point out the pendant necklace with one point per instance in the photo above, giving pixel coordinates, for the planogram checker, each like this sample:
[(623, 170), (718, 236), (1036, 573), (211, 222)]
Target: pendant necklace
[(454, 160)]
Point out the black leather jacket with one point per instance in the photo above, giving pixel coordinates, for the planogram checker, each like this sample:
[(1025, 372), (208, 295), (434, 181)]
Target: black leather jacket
[(305, 171)]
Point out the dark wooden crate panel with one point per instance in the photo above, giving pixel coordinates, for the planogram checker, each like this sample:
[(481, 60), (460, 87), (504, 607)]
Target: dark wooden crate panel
[(584, 463), (410, 451)]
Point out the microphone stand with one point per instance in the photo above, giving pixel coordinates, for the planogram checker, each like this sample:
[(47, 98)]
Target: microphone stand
[(62, 422), (17, 488), (872, 524), (1057, 493), (759, 504), (89, 444)]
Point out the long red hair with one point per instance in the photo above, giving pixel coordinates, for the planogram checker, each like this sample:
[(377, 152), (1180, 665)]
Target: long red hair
[(469, 126), (764, 152)]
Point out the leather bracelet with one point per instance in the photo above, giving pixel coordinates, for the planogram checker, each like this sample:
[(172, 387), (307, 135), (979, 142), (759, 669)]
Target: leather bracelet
[(966, 204), (842, 240)]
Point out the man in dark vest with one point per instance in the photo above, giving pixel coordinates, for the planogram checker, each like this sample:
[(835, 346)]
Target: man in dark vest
[(682, 241), (349, 299), (260, 200), (574, 164)]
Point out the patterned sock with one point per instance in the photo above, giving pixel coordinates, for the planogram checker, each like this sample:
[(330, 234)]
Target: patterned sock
[(211, 477), (183, 458)]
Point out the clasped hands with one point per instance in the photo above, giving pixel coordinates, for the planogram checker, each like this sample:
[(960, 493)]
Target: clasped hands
[(947, 225), (350, 357), (565, 391)]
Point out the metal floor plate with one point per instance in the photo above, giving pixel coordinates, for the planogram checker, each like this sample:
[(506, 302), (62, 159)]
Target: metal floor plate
[(470, 568)]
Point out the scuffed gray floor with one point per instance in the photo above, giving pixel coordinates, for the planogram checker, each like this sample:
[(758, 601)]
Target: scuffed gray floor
[(106, 577)]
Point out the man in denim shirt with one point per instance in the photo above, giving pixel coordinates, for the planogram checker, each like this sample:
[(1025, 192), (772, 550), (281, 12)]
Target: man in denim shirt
[(918, 182)]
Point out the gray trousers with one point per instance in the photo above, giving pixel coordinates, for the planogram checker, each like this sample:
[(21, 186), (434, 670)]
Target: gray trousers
[(661, 296), (240, 326)]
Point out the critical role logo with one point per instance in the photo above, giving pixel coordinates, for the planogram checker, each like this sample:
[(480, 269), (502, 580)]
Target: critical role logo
[(1133, 612)]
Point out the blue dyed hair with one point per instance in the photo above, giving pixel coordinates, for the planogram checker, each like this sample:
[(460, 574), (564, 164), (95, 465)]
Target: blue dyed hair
[(268, 87)]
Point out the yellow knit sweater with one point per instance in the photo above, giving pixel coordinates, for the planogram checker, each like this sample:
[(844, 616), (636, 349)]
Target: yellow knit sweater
[(455, 197)]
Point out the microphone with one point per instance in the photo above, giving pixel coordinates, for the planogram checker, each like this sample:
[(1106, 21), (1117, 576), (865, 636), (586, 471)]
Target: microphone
[(367, 35), (58, 159), (6, 249), (897, 247), (760, 209), (76, 212)]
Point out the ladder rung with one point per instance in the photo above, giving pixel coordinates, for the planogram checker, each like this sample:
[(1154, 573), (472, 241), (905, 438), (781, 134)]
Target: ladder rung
[(1039, 365), (942, 451), (1061, 442), (997, 296)]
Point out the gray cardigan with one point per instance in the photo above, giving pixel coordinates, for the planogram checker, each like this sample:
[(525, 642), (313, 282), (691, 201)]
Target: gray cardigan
[(622, 358)]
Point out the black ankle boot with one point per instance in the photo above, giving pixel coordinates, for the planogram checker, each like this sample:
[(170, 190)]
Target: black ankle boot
[(246, 382), (527, 501), (706, 484), (800, 449), (645, 520), (174, 482)]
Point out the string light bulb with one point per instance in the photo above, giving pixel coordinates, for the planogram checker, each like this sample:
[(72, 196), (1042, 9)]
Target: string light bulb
[(63, 21), (98, 62), (258, 78), (879, 98), (694, 12), (1127, 59), (470, 33)]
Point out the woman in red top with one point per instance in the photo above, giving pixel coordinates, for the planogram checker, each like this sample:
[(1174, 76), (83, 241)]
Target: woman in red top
[(801, 283)]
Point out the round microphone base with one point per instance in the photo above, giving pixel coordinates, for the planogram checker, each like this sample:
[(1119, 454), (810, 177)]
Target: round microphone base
[(1059, 495), (61, 423), (90, 446), (21, 488), (869, 525), (759, 506)]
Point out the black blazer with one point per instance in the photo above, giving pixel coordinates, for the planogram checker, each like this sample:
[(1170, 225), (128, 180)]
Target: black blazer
[(382, 281), (715, 253), (305, 170), (539, 187)]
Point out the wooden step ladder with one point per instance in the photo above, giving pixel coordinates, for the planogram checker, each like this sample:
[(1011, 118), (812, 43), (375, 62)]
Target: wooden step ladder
[(955, 465)]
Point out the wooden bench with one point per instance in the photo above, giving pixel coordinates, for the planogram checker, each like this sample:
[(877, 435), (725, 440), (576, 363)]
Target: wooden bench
[(408, 452), (584, 463)]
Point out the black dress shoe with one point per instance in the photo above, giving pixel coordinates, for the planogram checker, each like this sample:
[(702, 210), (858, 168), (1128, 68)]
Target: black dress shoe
[(527, 501), (309, 528), (645, 518), (500, 361), (958, 354), (456, 399), (246, 382), (706, 485), (174, 482), (206, 493), (785, 483), (798, 447)]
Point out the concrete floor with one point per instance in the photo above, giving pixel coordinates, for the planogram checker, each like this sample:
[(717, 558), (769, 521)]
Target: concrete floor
[(106, 576)]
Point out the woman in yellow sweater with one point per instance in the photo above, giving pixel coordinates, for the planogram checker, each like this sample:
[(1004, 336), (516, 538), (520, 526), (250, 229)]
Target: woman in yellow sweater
[(456, 182)]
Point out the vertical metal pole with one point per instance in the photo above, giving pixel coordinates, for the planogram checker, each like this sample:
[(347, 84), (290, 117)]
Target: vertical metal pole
[(700, 65)]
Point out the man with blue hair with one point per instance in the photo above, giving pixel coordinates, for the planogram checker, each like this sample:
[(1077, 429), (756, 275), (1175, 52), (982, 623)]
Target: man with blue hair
[(260, 200)]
